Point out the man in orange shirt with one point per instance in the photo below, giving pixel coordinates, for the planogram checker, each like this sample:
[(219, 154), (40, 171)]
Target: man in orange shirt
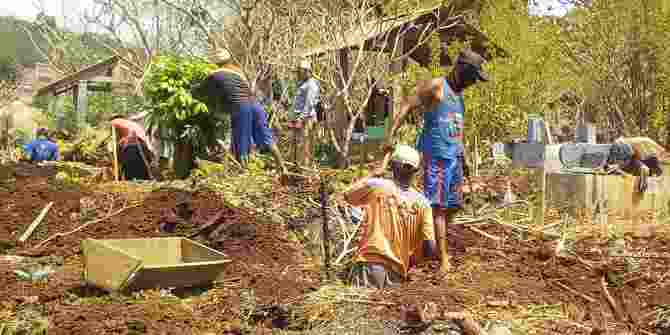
[(135, 154), (398, 232)]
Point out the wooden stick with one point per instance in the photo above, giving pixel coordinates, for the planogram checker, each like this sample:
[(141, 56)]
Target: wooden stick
[(345, 249), (547, 132), (370, 302), (144, 159), (210, 222), (115, 150), (36, 222), (615, 308), (573, 291), (483, 233), (641, 256), (57, 235)]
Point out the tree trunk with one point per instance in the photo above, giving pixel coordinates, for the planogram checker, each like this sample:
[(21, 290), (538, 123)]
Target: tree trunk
[(343, 160), (183, 160)]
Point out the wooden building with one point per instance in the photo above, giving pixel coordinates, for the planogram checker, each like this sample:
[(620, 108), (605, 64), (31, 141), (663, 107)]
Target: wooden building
[(109, 75)]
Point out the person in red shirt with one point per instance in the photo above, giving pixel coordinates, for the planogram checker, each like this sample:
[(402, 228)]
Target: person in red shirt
[(135, 155)]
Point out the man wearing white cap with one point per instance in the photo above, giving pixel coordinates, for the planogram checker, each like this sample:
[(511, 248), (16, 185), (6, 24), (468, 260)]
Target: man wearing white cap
[(398, 231), (304, 107)]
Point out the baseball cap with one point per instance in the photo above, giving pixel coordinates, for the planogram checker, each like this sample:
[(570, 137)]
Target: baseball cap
[(472, 58), (406, 155)]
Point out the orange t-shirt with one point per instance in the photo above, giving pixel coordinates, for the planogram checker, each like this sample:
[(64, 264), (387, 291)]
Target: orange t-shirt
[(397, 222), (125, 127)]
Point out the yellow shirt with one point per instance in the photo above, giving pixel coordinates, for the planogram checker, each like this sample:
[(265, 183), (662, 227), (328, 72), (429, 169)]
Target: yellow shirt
[(397, 222)]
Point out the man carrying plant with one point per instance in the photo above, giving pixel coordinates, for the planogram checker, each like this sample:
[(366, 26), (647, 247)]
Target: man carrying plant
[(135, 154), (41, 149), (441, 144), (398, 232), (227, 92)]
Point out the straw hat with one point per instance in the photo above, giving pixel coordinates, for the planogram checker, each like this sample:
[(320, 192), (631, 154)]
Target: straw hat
[(218, 56)]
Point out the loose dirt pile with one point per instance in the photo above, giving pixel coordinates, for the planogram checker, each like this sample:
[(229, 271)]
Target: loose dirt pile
[(271, 265), (510, 280)]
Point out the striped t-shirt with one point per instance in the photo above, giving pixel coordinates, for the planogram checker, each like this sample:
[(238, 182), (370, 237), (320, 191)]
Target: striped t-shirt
[(230, 85), (397, 222)]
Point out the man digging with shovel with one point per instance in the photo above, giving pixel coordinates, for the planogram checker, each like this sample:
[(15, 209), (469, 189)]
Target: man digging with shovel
[(135, 155), (441, 145)]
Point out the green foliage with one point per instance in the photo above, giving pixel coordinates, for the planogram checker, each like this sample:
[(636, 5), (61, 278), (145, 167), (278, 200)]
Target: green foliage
[(16, 42), (101, 106), (616, 50), (171, 105), (8, 68), (524, 82), (22, 136)]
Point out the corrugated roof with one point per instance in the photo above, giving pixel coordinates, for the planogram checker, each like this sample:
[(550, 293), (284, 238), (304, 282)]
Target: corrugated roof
[(359, 36), (83, 74)]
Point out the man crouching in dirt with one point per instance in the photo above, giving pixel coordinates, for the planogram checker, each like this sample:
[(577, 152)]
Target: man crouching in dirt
[(638, 156), (398, 232), (42, 148), (135, 155)]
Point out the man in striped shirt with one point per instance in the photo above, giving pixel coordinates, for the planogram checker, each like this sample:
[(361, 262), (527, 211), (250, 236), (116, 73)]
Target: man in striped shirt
[(398, 231), (227, 91)]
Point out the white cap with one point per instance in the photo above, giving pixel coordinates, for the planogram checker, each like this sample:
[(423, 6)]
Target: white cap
[(305, 64), (218, 56)]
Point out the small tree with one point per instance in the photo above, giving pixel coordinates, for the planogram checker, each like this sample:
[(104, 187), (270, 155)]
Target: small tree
[(185, 120), (374, 44)]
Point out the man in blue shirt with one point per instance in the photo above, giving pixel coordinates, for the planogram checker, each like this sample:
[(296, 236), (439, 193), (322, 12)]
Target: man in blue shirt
[(441, 145), (42, 149), (304, 108)]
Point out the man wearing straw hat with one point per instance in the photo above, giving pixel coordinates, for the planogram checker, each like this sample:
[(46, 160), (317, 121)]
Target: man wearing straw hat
[(228, 92), (398, 231), (305, 108)]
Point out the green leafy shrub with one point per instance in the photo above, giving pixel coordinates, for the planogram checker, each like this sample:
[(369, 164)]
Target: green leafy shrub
[(172, 106)]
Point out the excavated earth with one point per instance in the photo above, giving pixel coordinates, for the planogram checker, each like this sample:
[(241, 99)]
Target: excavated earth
[(496, 280)]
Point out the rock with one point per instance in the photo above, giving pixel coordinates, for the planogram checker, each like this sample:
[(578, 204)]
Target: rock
[(241, 231), (6, 245), (136, 327), (662, 327), (499, 330), (496, 328)]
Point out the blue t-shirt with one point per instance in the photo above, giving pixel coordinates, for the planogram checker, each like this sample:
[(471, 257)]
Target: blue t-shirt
[(442, 135), (42, 150)]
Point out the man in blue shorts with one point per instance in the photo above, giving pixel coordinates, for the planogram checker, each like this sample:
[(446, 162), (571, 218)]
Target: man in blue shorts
[(441, 146), (261, 135), (227, 91)]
